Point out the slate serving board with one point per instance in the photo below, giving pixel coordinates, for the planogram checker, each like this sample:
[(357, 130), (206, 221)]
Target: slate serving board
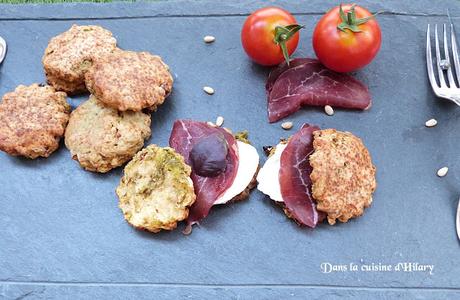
[(62, 235)]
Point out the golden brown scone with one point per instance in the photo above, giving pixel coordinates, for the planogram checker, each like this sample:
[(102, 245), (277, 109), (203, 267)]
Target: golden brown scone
[(127, 80), (72, 88), (32, 120), (101, 138), (70, 54), (156, 190), (343, 176)]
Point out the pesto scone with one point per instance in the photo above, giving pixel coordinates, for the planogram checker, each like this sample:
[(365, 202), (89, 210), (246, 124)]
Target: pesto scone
[(101, 138), (70, 54), (156, 190), (33, 120), (127, 80), (343, 175)]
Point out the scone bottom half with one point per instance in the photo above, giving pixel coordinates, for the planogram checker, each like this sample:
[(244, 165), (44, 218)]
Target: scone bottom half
[(156, 190)]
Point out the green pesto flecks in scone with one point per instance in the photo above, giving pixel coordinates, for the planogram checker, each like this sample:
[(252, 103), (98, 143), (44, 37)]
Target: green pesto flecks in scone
[(243, 136), (156, 190)]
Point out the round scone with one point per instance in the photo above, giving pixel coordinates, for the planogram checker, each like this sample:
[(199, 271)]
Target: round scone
[(101, 138), (33, 120), (128, 80), (343, 176), (156, 190), (70, 54)]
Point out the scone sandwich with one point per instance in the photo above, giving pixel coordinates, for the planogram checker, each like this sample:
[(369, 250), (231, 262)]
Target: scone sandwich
[(205, 165), (224, 166), (319, 174)]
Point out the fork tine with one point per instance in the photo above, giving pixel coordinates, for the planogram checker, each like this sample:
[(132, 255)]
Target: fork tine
[(455, 52), (429, 61), (450, 76), (457, 222), (442, 81)]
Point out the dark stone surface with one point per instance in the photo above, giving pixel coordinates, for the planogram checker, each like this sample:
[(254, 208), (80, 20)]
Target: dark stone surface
[(63, 236)]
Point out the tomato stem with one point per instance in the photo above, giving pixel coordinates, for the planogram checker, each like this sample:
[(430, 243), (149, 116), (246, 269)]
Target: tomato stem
[(284, 34), (349, 21)]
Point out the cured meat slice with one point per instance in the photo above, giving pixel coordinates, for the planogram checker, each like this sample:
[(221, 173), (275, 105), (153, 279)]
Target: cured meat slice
[(185, 134), (294, 178), (307, 82), (276, 72)]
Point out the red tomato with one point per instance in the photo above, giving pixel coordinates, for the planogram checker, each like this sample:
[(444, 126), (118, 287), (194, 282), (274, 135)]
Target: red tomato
[(258, 35), (351, 48)]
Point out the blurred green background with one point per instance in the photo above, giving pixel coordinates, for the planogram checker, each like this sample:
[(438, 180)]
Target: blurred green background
[(55, 1)]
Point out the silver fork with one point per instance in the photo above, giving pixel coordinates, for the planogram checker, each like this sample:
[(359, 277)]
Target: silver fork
[(447, 89)]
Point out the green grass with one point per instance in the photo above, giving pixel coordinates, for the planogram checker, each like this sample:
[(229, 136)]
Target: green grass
[(51, 1)]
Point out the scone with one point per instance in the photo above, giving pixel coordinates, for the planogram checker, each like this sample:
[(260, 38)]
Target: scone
[(127, 80), (156, 191), (102, 138), (70, 54), (318, 174), (32, 120), (343, 176)]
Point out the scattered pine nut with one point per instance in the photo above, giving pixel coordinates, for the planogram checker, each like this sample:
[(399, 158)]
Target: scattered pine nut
[(211, 124), (443, 171), (219, 121), (431, 123), (286, 125), (209, 39), (329, 110), (208, 90)]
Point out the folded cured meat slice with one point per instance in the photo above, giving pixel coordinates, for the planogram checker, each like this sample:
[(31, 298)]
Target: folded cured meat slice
[(282, 67), (184, 136), (307, 82), (294, 178)]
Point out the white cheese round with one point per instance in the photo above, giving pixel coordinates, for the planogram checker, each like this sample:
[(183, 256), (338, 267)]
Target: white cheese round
[(247, 167), (268, 179)]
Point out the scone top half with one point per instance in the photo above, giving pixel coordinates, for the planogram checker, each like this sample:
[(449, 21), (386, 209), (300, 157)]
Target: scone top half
[(320, 174), (156, 190), (128, 80), (32, 120), (70, 54)]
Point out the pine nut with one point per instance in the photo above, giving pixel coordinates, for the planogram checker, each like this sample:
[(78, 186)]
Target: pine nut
[(219, 121), (329, 110), (209, 39), (431, 123), (208, 90), (443, 171), (286, 125)]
